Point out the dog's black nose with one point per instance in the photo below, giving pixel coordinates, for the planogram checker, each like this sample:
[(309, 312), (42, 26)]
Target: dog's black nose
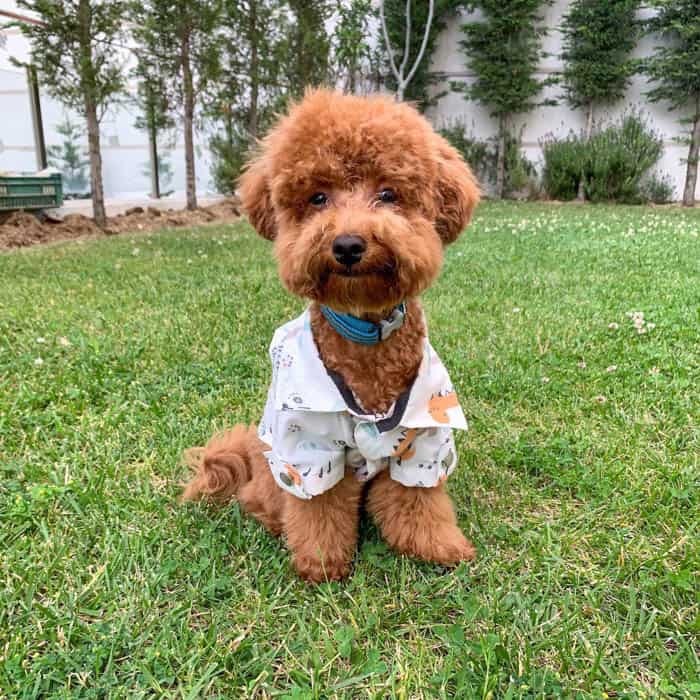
[(348, 249)]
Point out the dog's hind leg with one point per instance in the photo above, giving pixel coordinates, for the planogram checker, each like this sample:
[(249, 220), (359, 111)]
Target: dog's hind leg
[(232, 465), (261, 497)]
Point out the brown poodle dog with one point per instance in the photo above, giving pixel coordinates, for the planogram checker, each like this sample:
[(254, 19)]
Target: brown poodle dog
[(359, 196)]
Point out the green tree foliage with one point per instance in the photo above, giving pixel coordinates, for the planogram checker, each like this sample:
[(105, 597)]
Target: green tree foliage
[(75, 52), (675, 69), (70, 157), (503, 49), (598, 37), (308, 45), (356, 63), (250, 84), (420, 88), (180, 37)]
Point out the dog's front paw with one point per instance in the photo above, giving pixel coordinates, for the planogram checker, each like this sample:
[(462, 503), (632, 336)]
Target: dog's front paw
[(317, 569), (443, 544)]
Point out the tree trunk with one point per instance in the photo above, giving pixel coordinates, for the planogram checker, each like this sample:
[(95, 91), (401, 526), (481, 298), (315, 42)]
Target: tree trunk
[(153, 151), (93, 123), (581, 196), (254, 71), (691, 173), (98, 197), (188, 88), (501, 158), (352, 81)]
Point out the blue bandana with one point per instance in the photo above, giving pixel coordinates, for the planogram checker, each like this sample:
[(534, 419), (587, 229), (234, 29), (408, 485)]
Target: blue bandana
[(365, 332)]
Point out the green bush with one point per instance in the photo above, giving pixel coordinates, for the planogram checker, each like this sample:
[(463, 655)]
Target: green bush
[(619, 157), (475, 151), (563, 166), (658, 189), (613, 162), (228, 158), (482, 156)]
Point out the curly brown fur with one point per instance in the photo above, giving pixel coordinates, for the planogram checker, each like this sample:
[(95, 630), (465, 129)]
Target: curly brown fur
[(350, 148)]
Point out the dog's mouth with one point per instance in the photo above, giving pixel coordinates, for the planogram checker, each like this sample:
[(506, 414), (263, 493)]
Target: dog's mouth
[(386, 270), (352, 272)]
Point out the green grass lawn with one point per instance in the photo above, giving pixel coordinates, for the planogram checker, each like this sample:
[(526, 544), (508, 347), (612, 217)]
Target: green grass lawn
[(578, 480)]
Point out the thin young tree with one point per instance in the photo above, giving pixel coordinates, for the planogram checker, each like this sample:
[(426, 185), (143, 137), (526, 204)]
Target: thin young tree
[(75, 49), (403, 72), (397, 35), (598, 37), (503, 50), (70, 157), (183, 34), (155, 115), (675, 68)]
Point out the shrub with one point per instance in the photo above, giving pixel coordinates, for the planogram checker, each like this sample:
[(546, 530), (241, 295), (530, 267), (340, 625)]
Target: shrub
[(482, 155), (520, 172), (613, 162), (473, 150), (563, 165), (228, 158), (618, 158), (658, 189)]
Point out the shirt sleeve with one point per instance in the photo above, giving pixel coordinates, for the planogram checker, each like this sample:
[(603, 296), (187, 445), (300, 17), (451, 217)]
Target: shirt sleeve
[(431, 460), (307, 455)]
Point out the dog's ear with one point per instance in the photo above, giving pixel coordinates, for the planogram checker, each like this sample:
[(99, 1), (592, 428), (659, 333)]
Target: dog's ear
[(457, 192), (256, 198)]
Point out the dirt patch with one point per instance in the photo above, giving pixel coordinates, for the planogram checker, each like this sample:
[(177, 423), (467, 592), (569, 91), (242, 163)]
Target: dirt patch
[(20, 229)]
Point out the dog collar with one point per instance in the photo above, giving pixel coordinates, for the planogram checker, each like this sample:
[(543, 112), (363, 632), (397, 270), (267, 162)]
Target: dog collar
[(365, 332)]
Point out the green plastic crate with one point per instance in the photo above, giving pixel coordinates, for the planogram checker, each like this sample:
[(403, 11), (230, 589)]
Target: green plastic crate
[(30, 192)]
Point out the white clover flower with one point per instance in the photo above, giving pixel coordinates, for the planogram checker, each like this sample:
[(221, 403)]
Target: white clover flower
[(135, 251), (545, 380), (613, 326), (600, 399), (582, 365), (64, 342), (41, 340), (38, 362), (654, 371), (611, 368), (516, 309)]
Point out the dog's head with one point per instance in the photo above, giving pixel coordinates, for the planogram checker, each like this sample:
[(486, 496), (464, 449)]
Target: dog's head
[(360, 196)]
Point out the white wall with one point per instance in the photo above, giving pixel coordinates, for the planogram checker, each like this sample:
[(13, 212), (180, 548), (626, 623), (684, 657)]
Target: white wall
[(558, 120)]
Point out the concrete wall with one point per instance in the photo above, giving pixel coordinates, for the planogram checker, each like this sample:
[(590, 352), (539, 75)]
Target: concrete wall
[(557, 120)]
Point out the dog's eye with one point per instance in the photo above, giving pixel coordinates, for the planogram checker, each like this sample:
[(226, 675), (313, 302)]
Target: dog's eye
[(319, 199), (387, 196)]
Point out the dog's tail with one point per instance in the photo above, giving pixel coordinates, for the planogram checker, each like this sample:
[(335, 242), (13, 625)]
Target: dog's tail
[(220, 468)]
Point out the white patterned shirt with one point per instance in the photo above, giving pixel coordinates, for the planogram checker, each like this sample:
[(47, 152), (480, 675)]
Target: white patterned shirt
[(315, 426)]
